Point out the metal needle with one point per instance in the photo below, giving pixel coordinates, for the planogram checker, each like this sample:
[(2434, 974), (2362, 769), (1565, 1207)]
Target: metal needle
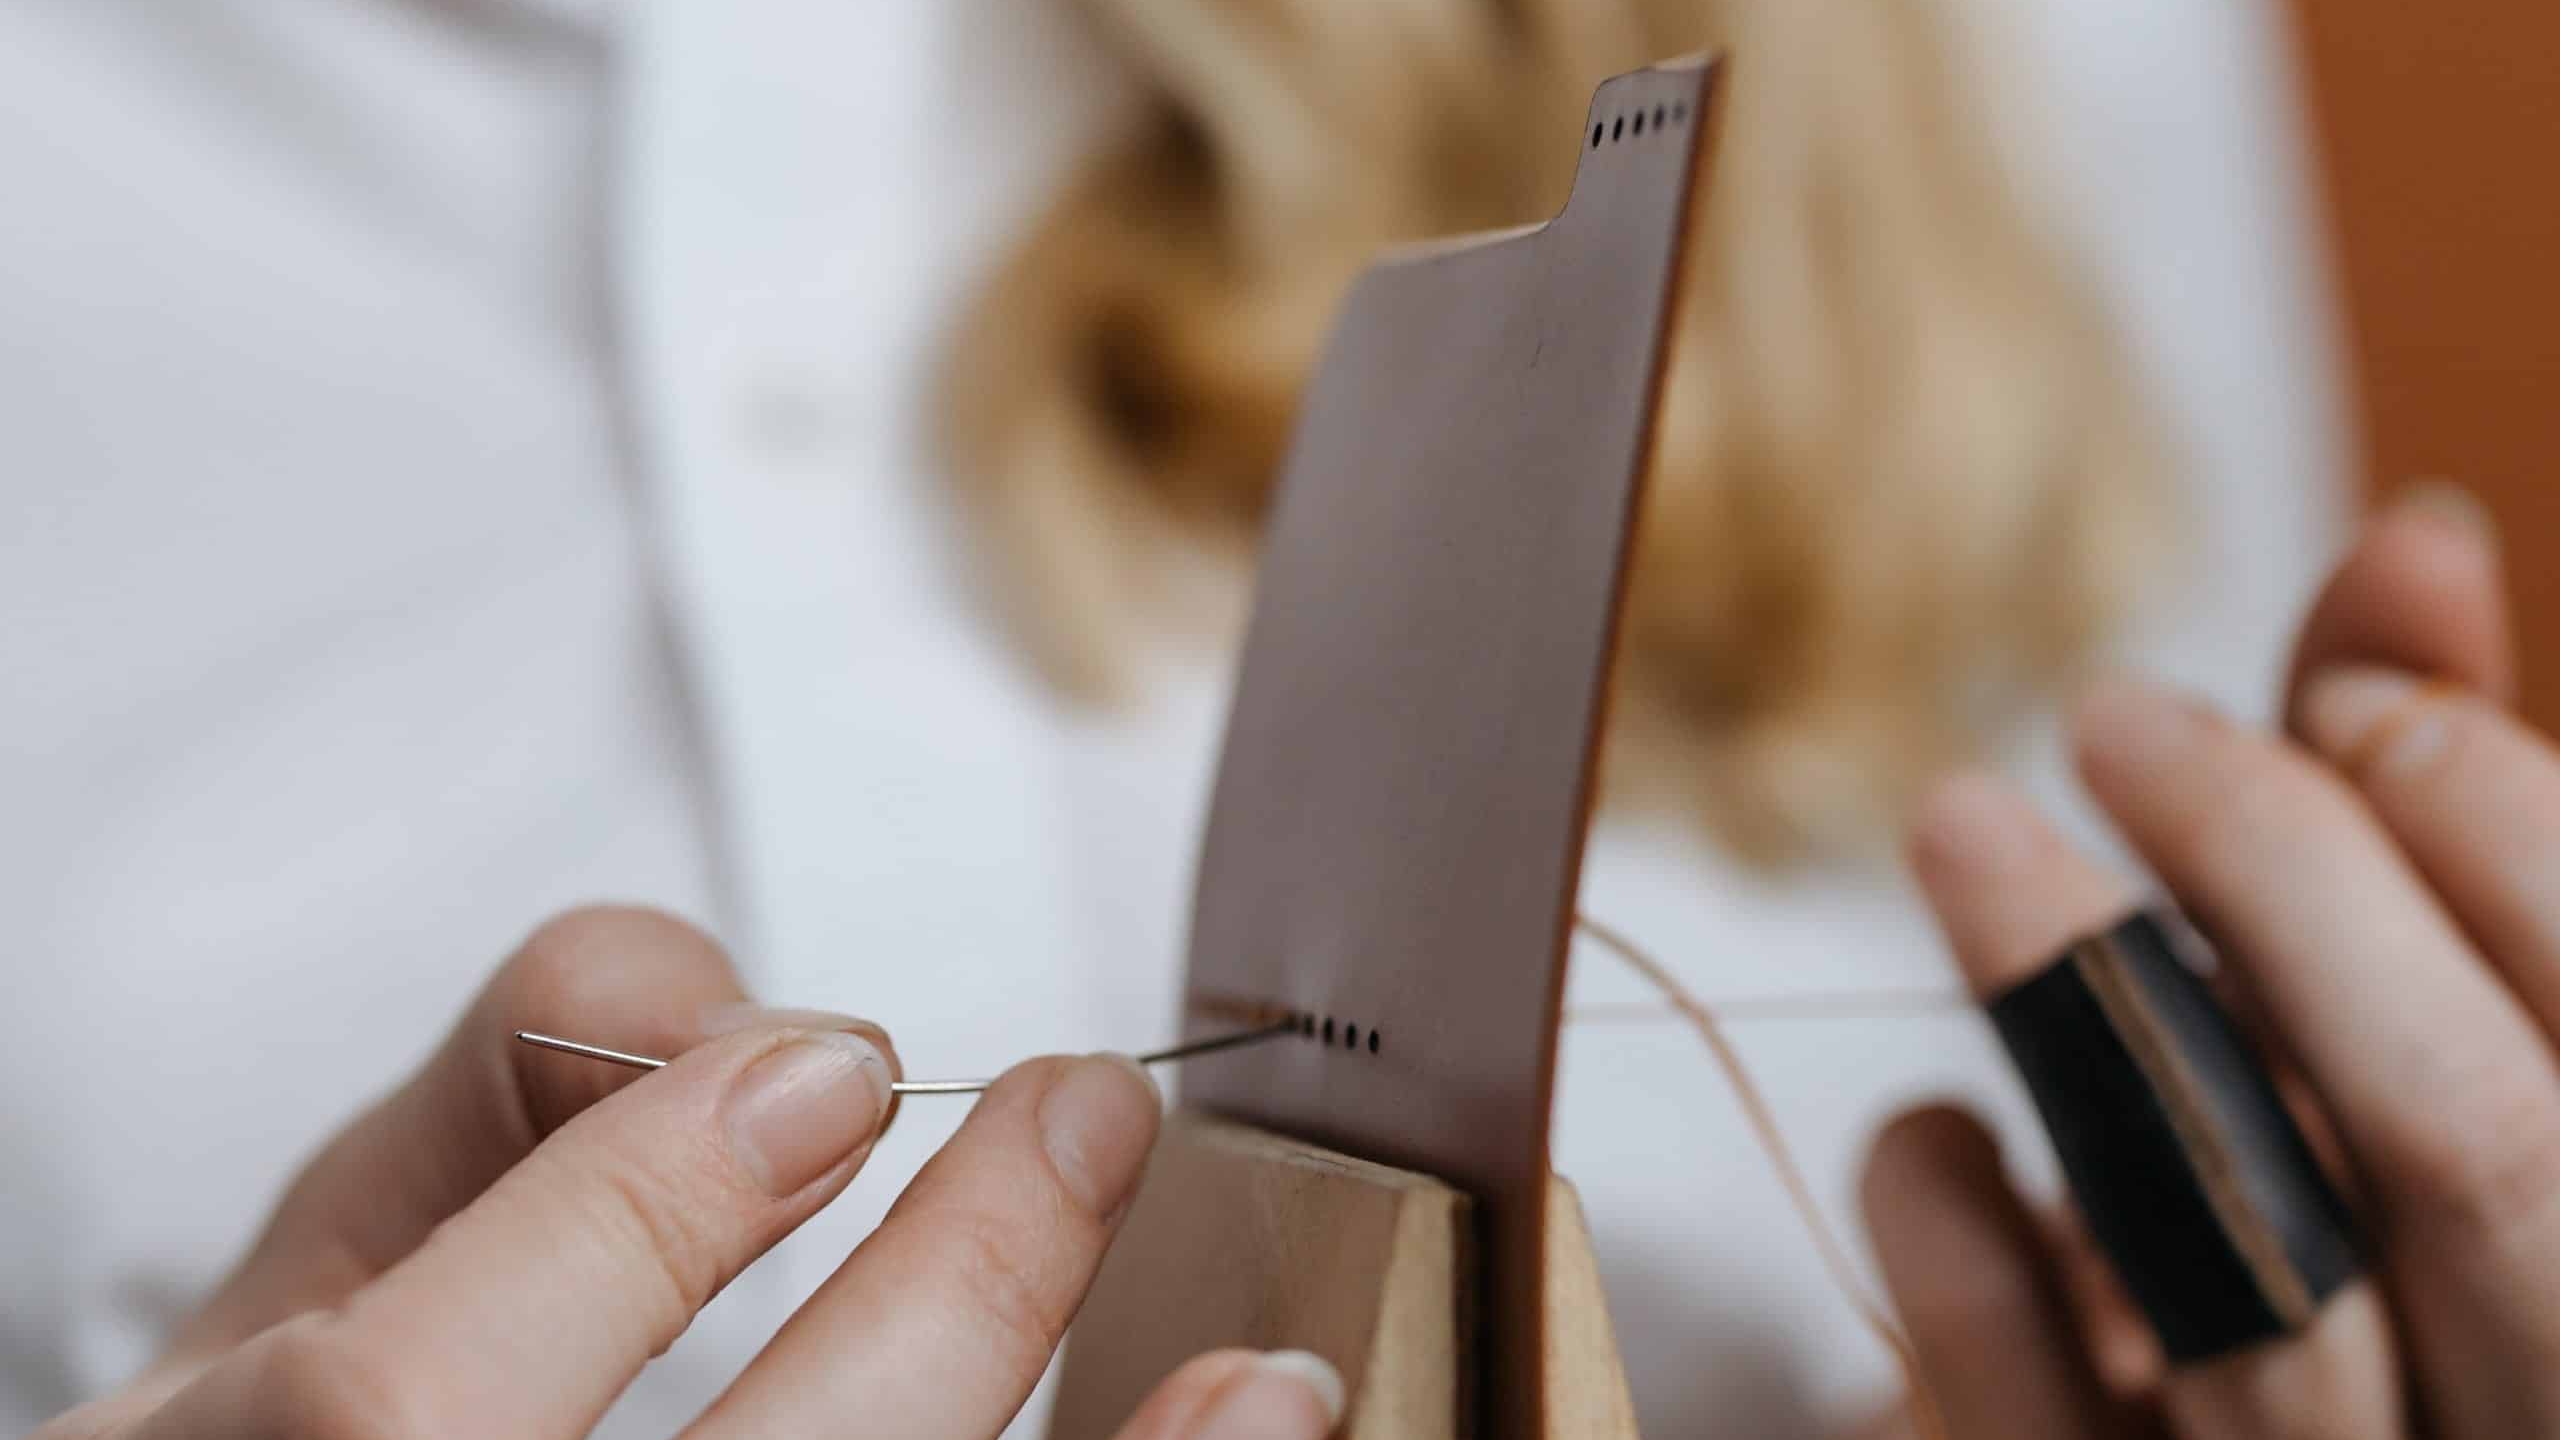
[(625, 1058)]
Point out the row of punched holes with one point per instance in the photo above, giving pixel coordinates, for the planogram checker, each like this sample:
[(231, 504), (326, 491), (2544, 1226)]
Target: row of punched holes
[(1663, 117), (1352, 1036)]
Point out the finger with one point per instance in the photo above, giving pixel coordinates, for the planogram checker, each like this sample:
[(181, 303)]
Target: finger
[(1892, 1423), (2435, 1075), (2011, 893), (2127, 1355), (2006, 888), (2335, 1378), (2473, 797), (943, 1320), (1984, 1305), (107, 1418), (479, 1105), (2401, 681), (1242, 1395), (2420, 592), (2443, 1088), (529, 1311)]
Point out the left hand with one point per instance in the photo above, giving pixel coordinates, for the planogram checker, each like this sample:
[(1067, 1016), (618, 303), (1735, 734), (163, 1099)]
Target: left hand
[(499, 1246)]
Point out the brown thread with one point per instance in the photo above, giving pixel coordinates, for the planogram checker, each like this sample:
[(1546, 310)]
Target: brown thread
[(1923, 1401), (1746, 1009)]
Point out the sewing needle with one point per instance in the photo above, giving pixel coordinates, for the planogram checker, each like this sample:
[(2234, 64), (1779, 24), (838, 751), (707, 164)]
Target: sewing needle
[(628, 1060)]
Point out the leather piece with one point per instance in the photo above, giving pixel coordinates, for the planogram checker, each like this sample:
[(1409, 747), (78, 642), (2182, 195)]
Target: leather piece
[(1396, 835), (2192, 1176)]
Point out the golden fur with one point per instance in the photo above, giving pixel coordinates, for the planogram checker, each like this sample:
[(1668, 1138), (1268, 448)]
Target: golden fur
[(1903, 481)]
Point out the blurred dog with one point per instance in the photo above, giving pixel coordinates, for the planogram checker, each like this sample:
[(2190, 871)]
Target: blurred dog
[(1903, 480)]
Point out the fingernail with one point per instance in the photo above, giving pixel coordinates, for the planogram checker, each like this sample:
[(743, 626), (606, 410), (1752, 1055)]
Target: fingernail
[(2137, 729), (1310, 1370), (740, 1015), (2445, 501), (1287, 1393), (804, 1107), (1098, 1122), (2365, 716)]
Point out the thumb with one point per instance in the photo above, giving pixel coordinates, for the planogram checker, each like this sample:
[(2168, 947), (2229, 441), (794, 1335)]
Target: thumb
[(1242, 1395), (528, 1312), (481, 1104)]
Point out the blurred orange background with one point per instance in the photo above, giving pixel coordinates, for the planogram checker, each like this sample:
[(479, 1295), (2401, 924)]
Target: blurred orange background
[(2439, 131)]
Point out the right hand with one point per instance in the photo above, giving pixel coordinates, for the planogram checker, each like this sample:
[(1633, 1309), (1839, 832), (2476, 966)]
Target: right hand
[(2381, 884), (499, 1246)]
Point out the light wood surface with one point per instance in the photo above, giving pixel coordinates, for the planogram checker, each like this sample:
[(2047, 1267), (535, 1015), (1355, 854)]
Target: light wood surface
[(1241, 1237)]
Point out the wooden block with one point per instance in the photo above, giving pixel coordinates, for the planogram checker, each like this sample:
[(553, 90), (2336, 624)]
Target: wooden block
[(1241, 1237), (1586, 1391)]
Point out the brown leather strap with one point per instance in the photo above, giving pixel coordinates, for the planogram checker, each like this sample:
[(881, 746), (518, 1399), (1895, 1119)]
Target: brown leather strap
[(1397, 832)]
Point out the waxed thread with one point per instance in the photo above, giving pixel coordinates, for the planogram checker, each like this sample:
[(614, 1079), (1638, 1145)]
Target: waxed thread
[(1871, 1310)]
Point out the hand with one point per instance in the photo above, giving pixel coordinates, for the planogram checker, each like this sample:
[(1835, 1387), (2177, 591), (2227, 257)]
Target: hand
[(2385, 887), (498, 1247)]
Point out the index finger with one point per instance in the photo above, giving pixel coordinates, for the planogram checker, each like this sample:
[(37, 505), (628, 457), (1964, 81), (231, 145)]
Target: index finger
[(532, 1309), (941, 1322), (477, 1107), (2011, 892)]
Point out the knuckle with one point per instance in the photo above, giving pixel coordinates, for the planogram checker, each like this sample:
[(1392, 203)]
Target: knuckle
[(2256, 788), (318, 1384), (2232, 799), (2444, 735), (2485, 1161), (584, 968), (996, 1283), (576, 962), (667, 1246), (2252, 803), (2438, 734)]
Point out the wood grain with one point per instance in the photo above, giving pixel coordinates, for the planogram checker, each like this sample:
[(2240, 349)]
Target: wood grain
[(1242, 1237)]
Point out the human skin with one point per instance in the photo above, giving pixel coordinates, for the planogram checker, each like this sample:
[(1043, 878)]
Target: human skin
[(502, 1243), (2383, 880)]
